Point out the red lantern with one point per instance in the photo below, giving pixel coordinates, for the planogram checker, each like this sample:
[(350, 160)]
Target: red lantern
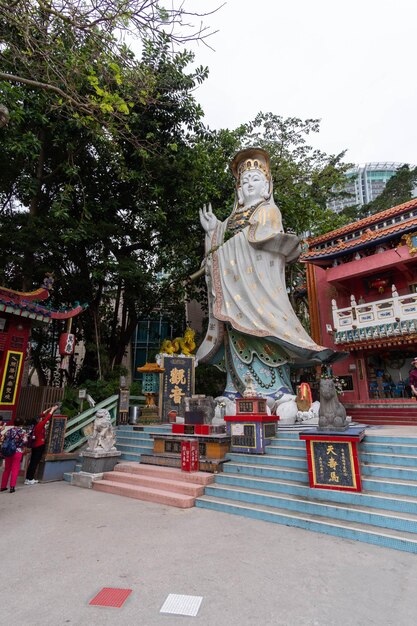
[(379, 284), (66, 344)]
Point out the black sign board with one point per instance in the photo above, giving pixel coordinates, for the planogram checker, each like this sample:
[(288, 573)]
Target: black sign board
[(11, 377), (247, 440), (332, 463), (124, 400), (56, 434), (178, 382)]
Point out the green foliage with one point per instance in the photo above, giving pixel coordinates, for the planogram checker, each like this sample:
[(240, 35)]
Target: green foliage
[(98, 389), (75, 53)]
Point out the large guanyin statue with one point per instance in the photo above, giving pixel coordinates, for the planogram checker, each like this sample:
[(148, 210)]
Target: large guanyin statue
[(252, 326)]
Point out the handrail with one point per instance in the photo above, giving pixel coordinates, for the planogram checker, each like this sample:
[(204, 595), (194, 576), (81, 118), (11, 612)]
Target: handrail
[(74, 433)]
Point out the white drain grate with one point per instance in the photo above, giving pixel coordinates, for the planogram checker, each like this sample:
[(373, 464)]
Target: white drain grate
[(182, 605)]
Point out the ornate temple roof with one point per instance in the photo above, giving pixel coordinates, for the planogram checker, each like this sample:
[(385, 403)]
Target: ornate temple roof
[(151, 368), (375, 229), (25, 304)]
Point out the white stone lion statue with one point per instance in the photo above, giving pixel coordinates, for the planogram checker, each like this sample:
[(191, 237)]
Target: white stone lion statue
[(103, 437)]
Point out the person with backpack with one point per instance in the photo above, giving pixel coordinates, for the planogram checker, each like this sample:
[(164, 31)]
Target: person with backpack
[(12, 450), (37, 437)]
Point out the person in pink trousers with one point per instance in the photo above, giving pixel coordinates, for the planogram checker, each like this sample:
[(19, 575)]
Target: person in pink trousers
[(12, 463)]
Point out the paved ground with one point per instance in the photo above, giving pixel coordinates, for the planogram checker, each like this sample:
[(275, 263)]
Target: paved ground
[(62, 544)]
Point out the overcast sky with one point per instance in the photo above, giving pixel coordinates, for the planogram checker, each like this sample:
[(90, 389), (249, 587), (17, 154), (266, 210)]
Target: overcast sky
[(351, 64)]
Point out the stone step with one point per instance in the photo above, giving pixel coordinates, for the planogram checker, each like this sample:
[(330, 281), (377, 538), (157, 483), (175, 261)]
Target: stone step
[(266, 471), (398, 540), (397, 486), (133, 447), (388, 448), (369, 444), (393, 439), (145, 428), (389, 471), (148, 494), (399, 503), (131, 457), (269, 459), (292, 443), (379, 458), (278, 449), (132, 436), (343, 512), (390, 422), (162, 483), (169, 473)]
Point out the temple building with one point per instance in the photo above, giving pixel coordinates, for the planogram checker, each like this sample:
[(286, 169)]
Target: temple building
[(362, 291), (18, 312)]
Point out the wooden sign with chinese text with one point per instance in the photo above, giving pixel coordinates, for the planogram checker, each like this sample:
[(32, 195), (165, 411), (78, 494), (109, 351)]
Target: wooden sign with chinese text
[(333, 461), (177, 382), (11, 374), (56, 434)]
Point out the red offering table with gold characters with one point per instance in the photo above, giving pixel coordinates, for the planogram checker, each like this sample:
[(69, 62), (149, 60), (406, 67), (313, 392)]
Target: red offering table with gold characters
[(332, 458)]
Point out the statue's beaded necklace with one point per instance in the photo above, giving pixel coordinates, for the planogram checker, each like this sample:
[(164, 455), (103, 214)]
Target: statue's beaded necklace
[(240, 218)]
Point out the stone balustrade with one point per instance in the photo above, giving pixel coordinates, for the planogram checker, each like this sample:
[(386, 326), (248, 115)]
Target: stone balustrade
[(390, 317)]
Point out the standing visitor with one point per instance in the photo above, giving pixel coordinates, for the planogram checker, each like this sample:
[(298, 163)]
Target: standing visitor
[(18, 436), (413, 378), (38, 446)]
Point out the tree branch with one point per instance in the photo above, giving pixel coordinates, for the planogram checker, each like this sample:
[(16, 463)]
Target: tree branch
[(11, 78)]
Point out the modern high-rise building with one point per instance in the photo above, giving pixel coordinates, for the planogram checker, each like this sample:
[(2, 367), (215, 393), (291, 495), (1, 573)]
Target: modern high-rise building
[(365, 183)]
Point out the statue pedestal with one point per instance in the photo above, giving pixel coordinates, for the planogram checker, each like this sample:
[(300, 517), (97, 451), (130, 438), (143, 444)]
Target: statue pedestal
[(98, 461), (251, 433), (149, 415), (332, 458)]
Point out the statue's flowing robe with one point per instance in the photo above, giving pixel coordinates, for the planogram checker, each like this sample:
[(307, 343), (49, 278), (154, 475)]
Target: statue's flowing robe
[(249, 310)]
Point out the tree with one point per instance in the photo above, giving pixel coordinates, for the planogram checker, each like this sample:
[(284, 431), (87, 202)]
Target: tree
[(75, 50), (398, 189), (103, 214)]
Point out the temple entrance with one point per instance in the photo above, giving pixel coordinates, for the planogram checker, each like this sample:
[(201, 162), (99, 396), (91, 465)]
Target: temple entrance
[(388, 374)]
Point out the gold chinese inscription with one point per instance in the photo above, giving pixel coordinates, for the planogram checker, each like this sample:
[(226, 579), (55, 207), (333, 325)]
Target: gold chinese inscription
[(333, 464), (177, 376), (176, 394)]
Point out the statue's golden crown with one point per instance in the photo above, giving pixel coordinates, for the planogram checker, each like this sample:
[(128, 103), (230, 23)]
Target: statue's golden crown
[(251, 159)]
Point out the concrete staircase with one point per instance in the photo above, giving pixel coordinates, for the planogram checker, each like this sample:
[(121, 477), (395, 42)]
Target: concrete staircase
[(164, 485), (274, 487), (383, 413), (132, 441)]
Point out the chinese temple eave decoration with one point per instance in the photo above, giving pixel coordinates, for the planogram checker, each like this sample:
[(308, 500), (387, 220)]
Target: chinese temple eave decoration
[(369, 237), (17, 303), (364, 223)]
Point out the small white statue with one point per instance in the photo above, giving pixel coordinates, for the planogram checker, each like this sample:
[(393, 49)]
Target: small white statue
[(286, 409), (103, 437), (250, 391), (224, 406)]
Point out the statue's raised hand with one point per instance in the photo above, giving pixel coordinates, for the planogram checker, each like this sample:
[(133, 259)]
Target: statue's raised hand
[(207, 218)]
